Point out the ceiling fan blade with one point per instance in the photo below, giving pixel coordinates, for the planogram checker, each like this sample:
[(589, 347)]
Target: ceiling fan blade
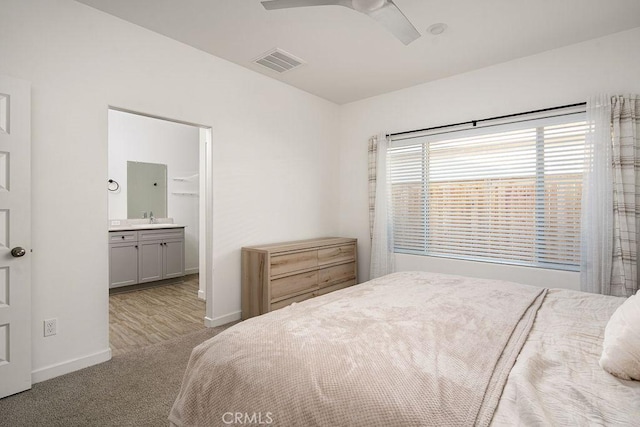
[(286, 4), (388, 15), (394, 20)]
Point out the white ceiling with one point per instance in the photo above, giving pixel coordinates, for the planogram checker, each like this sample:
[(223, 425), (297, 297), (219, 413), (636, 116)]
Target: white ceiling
[(349, 56)]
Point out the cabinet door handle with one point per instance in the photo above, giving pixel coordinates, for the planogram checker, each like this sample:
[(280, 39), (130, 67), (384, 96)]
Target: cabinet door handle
[(136, 246)]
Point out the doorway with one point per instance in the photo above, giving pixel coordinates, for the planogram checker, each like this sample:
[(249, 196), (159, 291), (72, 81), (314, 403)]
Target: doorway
[(159, 177)]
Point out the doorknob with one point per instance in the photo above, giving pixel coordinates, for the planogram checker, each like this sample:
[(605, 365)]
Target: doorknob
[(17, 252)]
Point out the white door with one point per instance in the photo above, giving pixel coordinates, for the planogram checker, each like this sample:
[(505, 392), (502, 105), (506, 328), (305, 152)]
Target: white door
[(15, 236)]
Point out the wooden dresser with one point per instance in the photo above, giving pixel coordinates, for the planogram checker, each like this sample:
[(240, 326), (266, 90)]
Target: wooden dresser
[(276, 275)]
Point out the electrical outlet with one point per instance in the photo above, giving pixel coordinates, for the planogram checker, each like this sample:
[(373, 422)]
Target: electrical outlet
[(50, 327)]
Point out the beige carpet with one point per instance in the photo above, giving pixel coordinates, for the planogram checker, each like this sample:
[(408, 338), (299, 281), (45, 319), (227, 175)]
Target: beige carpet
[(132, 389)]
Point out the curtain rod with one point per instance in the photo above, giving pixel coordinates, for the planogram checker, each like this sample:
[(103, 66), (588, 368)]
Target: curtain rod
[(474, 122)]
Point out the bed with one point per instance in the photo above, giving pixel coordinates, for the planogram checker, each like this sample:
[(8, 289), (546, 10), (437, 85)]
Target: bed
[(412, 349)]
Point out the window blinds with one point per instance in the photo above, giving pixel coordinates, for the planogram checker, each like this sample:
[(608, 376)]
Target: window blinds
[(507, 193)]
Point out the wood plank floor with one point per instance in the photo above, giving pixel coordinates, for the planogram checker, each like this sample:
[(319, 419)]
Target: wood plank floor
[(149, 316)]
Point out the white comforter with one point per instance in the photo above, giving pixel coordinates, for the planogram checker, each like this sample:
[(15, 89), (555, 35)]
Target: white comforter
[(413, 349), (556, 380)]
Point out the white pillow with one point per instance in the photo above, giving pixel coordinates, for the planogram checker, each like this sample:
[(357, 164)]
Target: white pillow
[(621, 346)]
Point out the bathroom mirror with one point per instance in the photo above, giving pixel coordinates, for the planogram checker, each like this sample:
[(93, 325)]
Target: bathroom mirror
[(146, 190)]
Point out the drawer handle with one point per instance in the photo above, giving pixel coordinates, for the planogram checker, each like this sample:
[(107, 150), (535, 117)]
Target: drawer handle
[(122, 237)]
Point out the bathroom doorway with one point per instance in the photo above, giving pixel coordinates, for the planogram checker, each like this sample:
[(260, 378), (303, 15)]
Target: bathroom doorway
[(160, 241)]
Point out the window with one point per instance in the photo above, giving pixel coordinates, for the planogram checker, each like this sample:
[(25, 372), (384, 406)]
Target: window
[(507, 193)]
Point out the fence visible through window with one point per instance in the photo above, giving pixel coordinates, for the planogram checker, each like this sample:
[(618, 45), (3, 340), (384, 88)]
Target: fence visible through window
[(509, 195)]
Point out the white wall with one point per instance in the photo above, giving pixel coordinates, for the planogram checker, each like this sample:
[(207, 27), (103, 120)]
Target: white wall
[(276, 149), (563, 76), (143, 139), (275, 169)]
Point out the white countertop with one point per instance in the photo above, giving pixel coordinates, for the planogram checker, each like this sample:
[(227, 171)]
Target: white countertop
[(137, 224), (129, 227)]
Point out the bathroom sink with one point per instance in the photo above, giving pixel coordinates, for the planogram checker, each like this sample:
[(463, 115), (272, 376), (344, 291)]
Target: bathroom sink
[(139, 224)]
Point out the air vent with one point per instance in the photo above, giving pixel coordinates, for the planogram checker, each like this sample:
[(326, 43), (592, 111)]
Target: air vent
[(279, 60)]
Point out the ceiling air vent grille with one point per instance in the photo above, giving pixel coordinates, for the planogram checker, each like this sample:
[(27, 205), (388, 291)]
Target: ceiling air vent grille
[(279, 60)]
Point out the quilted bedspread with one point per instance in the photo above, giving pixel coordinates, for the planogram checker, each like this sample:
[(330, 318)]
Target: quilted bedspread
[(406, 349)]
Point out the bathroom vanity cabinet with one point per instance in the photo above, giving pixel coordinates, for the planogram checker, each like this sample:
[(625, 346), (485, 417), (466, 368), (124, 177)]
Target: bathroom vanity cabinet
[(160, 254), (145, 255), (123, 258)]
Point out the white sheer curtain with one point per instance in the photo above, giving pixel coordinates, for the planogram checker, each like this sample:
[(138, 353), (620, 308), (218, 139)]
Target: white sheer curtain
[(597, 200), (382, 256)]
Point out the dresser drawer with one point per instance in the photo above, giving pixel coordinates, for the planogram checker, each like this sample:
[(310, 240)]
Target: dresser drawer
[(336, 287), (340, 273), (289, 263), (293, 285), (288, 301), (123, 236), (337, 254)]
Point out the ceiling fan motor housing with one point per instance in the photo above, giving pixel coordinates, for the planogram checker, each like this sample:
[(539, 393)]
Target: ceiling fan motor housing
[(367, 5)]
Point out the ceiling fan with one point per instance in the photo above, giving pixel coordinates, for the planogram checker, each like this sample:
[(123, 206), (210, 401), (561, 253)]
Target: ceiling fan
[(384, 11)]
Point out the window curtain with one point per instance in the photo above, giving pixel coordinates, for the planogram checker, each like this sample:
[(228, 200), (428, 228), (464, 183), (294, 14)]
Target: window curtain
[(380, 218), (596, 236), (611, 196), (625, 126)]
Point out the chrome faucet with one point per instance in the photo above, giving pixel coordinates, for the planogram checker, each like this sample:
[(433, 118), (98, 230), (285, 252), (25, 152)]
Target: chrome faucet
[(152, 219)]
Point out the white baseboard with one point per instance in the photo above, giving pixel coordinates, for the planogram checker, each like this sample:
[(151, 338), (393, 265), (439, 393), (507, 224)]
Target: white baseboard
[(194, 270), (68, 366), (202, 295), (222, 320)]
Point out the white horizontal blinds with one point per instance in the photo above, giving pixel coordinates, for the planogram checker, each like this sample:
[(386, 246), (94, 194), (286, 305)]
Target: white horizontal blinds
[(408, 167), (511, 195), (564, 153), (482, 196)]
